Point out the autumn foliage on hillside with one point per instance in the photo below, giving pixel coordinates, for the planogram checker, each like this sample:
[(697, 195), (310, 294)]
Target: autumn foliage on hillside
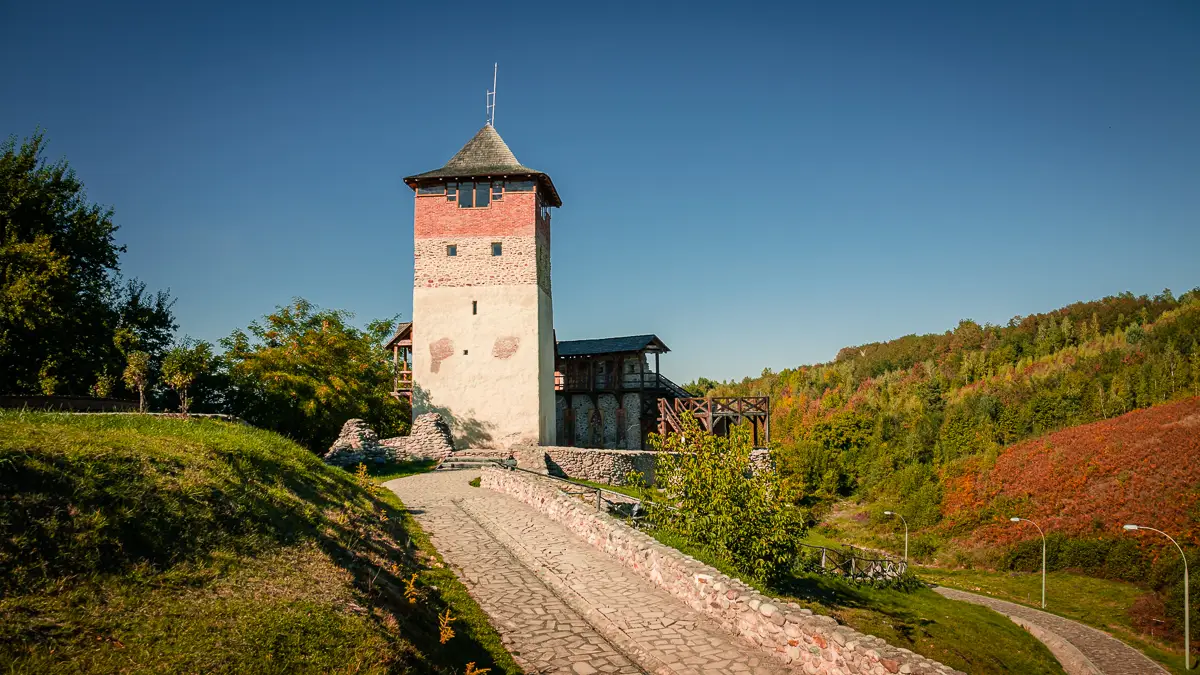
[(1142, 467), (895, 422)]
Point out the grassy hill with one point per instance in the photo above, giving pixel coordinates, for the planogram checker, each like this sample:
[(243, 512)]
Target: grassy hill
[(136, 544)]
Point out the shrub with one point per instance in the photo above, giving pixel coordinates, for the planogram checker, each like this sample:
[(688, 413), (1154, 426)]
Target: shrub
[(924, 546), (476, 481), (1102, 557), (715, 501)]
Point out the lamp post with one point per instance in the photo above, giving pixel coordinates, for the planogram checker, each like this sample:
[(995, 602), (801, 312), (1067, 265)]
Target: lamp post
[(1039, 529), (893, 513), (1187, 628)]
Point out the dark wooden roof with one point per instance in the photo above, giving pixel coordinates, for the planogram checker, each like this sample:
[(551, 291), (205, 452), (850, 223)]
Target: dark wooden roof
[(613, 345), (486, 155), (403, 335)]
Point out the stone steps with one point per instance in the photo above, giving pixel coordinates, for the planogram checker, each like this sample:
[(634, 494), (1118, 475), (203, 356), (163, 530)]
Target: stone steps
[(458, 463)]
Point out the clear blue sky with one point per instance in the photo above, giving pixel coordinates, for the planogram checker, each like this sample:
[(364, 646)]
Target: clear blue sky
[(758, 185)]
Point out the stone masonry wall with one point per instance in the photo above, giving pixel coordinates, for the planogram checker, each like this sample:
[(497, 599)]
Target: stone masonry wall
[(599, 466), (429, 438), (815, 643), (473, 263), (606, 433)]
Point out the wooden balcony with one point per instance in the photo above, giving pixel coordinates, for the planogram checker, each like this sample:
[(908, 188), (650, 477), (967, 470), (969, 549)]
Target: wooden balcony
[(573, 383)]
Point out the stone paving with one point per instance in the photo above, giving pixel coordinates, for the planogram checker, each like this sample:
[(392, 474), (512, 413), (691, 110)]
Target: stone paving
[(560, 605), (1105, 654)]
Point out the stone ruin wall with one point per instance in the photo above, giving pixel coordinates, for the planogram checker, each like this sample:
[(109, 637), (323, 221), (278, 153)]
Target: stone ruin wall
[(793, 635), (428, 439)]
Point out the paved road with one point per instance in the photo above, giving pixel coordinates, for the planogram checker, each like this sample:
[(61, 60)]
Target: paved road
[(1104, 654), (560, 605)]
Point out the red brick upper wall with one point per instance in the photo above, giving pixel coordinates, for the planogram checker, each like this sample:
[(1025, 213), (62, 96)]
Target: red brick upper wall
[(515, 215)]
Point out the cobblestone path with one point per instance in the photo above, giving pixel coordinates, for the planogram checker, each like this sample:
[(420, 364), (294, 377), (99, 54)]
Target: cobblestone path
[(560, 605), (1105, 654)]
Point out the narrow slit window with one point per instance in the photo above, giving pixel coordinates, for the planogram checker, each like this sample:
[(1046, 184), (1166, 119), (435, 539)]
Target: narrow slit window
[(474, 306), (451, 250), (496, 248)]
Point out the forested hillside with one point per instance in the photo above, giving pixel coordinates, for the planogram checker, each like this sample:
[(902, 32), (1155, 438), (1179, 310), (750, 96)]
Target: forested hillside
[(891, 420)]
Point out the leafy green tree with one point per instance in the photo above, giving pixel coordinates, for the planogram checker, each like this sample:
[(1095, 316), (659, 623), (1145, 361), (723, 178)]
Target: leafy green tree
[(183, 365), (303, 371), (1195, 362), (711, 496), (701, 386), (1135, 334), (137, 376), (61, 298)]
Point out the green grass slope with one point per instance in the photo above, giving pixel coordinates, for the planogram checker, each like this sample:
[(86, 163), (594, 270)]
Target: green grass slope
[(137, 544)]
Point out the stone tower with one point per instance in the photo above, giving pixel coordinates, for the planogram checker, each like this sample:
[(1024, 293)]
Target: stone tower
[(483, 327)]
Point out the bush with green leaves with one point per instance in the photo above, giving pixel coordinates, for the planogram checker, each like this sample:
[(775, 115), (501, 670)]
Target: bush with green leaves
[(303, 371), (708, 495), (182, 366)]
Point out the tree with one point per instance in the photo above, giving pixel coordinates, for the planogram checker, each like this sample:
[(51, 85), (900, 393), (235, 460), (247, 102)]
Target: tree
[(1195, 362), (183, 364), (700, 387), (137, 376), (304, 371), (61, 296), (716, 500)]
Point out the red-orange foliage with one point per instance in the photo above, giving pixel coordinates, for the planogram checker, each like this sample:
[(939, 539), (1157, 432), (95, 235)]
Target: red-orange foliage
[(1142, 467)]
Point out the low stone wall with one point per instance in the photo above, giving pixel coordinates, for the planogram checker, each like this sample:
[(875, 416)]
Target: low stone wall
[(596, 465), (793, 635)]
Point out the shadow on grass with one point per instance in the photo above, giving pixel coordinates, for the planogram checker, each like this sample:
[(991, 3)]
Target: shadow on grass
[(132, 500)]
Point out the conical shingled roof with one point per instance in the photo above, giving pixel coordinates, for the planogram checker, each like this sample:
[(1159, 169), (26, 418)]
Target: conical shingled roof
[(486, 154)]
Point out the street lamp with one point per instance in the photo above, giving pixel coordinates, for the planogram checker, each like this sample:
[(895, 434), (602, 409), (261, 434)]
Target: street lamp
[(893, 513), (1039, 529), (1187, 628)]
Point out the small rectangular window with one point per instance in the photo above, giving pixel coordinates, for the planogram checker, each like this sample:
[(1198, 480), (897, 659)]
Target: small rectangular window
[(431, 189), (519, 186), (451, 250), (451, 191), (482, 192), (466, 195), (496, 248), (474, 306), (497, 191)]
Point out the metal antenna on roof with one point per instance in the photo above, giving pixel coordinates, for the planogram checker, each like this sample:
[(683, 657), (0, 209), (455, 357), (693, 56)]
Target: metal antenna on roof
[(490, 99)]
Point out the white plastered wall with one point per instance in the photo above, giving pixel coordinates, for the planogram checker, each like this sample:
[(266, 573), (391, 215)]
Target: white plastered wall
[(500, 392)]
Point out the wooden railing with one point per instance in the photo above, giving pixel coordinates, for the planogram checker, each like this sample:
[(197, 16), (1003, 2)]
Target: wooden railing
[(617, 381), (847, 563), (402, 385)]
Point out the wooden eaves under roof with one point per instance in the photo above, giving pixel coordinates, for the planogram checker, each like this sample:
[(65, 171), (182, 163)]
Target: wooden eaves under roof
[(486, 155)]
